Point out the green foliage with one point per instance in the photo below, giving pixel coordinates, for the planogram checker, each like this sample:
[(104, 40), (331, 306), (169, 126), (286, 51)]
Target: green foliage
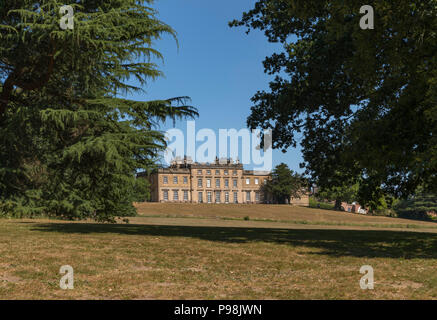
[(344, 193), (379, 203), (315, 203), (69, 145), (285, 184), (420, 206), (364, 100)]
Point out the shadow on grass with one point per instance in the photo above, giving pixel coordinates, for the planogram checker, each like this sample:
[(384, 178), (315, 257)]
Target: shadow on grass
[(356, 243)]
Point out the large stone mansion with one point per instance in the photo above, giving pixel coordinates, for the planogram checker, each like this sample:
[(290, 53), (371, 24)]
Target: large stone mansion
[(223, 181)]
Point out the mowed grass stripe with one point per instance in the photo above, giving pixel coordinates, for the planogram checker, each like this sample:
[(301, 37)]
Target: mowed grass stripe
[(157, 261)]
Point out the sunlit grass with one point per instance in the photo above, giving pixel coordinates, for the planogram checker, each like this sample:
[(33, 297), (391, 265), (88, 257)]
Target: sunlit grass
[(159, 261)]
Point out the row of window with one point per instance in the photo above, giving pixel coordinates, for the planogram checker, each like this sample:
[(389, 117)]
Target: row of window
[(217, 183), (208, 181), (217, 172), (176, 195), (209, 196), (175, 179)]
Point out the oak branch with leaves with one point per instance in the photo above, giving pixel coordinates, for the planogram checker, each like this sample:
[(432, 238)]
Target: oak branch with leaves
[(362, 102)]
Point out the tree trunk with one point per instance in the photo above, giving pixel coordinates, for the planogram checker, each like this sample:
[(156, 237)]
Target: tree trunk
[(337, 205)]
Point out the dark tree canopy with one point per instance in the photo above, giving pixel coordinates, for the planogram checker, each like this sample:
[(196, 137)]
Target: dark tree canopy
[(420, 205), (342, 193), (70, 145), (365, 101), (285, 184)]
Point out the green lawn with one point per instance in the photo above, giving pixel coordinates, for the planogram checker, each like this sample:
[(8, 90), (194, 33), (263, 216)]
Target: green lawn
[(191, 258)]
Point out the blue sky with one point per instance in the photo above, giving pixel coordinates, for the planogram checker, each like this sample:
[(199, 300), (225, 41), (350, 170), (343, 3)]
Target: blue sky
[(219, 67)]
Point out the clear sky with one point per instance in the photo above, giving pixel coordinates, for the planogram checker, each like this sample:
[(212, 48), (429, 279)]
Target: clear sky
[(219, 67)]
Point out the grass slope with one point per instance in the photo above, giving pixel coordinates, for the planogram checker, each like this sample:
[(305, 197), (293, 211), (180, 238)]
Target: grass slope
[(278, 213), (155, 259)]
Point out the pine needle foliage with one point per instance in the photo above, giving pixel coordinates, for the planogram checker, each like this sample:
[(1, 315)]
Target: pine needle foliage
[(70, 146), (421, 205)]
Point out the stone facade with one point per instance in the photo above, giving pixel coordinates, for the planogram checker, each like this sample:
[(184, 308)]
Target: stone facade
[(224, 181)]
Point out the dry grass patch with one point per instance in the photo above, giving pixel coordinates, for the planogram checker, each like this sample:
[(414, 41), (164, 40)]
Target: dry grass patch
[(276, 213), (157, 261)]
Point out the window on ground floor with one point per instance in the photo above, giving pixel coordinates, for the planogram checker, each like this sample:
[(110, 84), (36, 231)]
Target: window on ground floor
[(200, 195), (185, 195), (217, 197), (175, 195)]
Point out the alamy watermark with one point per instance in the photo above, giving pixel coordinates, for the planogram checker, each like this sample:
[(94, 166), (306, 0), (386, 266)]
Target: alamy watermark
[(367, 281), (367, 21), (67, 21), (67, 281), (202, 146)]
